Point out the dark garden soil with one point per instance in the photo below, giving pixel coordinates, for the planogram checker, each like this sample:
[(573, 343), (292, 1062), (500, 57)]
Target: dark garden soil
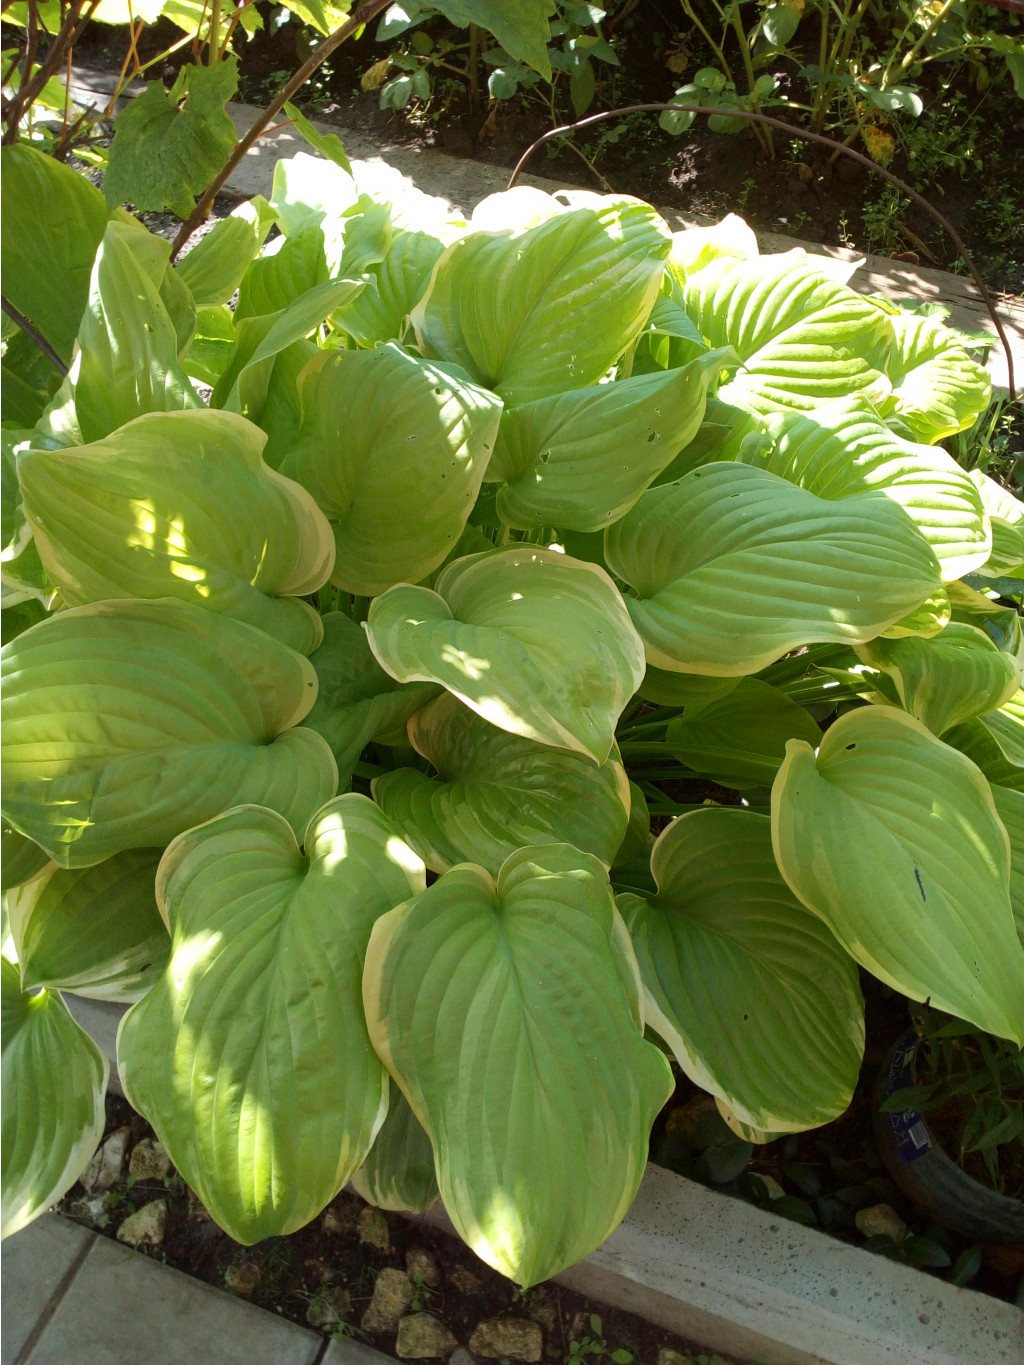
[(963, 153)]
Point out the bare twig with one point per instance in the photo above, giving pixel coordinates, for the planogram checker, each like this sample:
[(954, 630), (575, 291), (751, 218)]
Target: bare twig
[(67, 36), (33, 334), (201, 212), (806, 136)]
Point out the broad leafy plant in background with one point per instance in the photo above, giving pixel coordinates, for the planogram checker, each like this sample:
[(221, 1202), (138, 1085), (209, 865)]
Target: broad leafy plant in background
[(491, 662)]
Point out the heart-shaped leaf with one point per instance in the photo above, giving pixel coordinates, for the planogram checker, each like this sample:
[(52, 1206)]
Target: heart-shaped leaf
[(181, 505), (757, 1000), (498, 792), (533, 313), (54, 1083), (92, 930), (125, 723), (394, 450), (250, 1057), (892, 838), (509, 1013), (535, 642), (733, 566)]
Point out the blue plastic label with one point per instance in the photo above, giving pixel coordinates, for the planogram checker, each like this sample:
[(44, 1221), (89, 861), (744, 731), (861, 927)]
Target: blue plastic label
[(908, 1128)]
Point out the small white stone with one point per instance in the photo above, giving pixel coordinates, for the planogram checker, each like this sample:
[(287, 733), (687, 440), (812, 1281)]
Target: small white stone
[(146, 1227), (107, 1166), (881, 1220)]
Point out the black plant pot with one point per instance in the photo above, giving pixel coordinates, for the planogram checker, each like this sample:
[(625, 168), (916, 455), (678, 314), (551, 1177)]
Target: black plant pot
[(926, 1174)]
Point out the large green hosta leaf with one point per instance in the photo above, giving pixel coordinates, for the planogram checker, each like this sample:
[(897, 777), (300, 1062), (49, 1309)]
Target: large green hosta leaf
[(757, 1000), (739, 738), (734, 566), (1006, 514), (892, 838), (510, 1015), (1010, 805), (128, 345), (250, 1057), (537, 312), (54, 1082), (53, 222), (214, 268), (938, 389), (535, 642), (803, 336), (93, 930), (357, 701), (580, 460), (181, 505), (394, 450), (843, 449), (125, 723), (398, 1172), (393, 287), (20, 858), (499, 792), (949, 679)]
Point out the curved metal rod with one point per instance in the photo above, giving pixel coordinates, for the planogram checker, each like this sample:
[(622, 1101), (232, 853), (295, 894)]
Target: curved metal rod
[(751, 117)]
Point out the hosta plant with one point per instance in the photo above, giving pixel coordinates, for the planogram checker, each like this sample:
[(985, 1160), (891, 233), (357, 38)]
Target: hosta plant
[(490, 664)]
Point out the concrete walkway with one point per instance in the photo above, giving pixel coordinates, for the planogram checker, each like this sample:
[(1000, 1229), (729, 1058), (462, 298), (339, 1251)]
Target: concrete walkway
[(71, 1297)]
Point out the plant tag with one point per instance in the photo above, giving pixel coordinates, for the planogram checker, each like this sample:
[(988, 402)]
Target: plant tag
[(907, 1127)]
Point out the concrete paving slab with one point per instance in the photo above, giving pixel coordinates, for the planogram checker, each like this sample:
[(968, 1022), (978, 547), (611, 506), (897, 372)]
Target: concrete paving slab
[(124, 1309), (345, 1351), (36, 1266), (767, 1290)]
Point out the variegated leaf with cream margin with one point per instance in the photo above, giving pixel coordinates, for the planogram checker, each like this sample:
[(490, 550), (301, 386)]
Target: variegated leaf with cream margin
[(250, 1057), (510, 1014), (394, 450), (842, 449), (892, 838), (739, 738), (125, 723), (694, 248), (357, 701), (579, 460), (535, 312), (398, 1173), (93, 930), (938, 389), (497, 792), (803, 336), (733, 566), (181, 505), (948, 679), (535, 642), (1006, 726), (127, 348), (393, 288), (54, 1084), (1006, 513), (1010, 805), (758, 1002)]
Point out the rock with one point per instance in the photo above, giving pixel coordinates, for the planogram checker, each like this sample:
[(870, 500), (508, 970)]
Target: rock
[(373, 1229), (338, 1218), (507, 1339), (463, 1280), (329, 1307), (242, 1278), (881, 1220), (422, 1268), (689, 1121), (145, 1227), (460, 1356), (106, 1167), (666, 1356), (542, 1311), (422, 1337), (197, 1209), (91, 1211), (149, 1161), (392, 1295), (772, 1188)]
